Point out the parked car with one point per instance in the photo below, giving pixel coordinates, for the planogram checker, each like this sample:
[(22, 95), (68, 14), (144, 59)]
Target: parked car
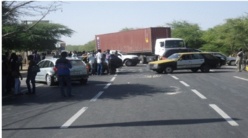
[(48, 71), (171, 51), (220, 56), (231, 61), (193, 61)]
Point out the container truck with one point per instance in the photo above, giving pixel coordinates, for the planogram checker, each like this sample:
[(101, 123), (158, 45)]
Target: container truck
[(148, 43)]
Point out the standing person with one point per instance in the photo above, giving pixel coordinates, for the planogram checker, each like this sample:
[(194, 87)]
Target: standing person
[(36, 57), (20, 61), (92, 62), (43, 56), (31, 74), (5, 72), (99, 62), (244, 60), (15, 72), (63, 65), (239, 59), (107, 60)]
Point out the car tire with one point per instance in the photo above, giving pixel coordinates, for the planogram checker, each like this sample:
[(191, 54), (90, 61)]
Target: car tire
[(168, 69), (218, 65), (84, 81), (128, 63), (194, 70), (232, 63), (205, 68), (49, 80), (159, 71)]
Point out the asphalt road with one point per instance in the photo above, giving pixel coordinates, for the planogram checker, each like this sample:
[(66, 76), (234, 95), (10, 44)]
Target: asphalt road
[(135, 103)]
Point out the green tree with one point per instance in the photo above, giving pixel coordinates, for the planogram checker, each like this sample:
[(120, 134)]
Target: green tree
[(191, 33), (19, 36), (228, 37), (43, 36)]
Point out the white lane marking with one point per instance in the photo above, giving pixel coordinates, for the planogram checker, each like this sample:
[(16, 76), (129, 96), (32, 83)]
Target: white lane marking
[(240, 78), (224, 115), (97, 96), (173, 93), (74, 117), (175, 77), (198, 94), (185, 84), (115, 75), (112, 79), (106, 87)]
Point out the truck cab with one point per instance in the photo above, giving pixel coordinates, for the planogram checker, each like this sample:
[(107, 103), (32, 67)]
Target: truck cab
[(163, 44)]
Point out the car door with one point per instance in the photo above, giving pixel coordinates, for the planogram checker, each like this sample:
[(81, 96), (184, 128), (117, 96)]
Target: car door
[(43, 70), (196, 60), (38, 76), (184, 61)]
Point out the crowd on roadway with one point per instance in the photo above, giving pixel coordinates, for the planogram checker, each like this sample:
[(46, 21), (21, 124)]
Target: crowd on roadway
[(11, 75), (98, 62)]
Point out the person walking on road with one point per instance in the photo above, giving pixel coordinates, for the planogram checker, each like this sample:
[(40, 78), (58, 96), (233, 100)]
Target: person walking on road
[(31, 74), (15, 72), (244, 60), (63, 66), (239, 59), (99, 62)]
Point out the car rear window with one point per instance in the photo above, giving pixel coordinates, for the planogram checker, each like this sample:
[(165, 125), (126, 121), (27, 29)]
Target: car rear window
[(76, 63)]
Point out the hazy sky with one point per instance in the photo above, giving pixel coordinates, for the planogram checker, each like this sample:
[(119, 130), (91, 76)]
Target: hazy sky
[(88, 19)]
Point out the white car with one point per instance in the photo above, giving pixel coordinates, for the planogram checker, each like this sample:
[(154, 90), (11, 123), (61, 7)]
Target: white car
[(48, 70)]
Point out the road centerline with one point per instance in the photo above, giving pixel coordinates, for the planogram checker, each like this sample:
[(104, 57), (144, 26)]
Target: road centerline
[(240, 78), (198, 94), (224, 115), (74, 117), (107, 85), (184, 83), (97, 96)]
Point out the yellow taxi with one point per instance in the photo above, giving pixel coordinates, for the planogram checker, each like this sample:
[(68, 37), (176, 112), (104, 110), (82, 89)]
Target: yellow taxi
[(192, 61)]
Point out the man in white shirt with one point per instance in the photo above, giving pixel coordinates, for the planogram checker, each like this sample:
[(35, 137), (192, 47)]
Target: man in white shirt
[(99, 62)]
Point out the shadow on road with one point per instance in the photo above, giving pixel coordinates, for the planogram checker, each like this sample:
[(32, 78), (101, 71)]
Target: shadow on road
[(134, 124)]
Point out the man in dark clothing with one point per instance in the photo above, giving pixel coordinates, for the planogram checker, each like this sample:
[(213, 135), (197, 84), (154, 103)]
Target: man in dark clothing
[(63, 66), (31, 75), (36, 57)]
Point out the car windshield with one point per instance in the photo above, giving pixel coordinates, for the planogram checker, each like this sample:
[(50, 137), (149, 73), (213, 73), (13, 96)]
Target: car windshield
[(174, 43), (174, 56)]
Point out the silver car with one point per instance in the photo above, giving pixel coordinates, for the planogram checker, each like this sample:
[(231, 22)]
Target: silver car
[(79, 71)]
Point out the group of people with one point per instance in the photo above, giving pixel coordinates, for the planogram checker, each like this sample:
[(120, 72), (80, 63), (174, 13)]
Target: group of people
[(241, 60), (11, 74), (101, 62)]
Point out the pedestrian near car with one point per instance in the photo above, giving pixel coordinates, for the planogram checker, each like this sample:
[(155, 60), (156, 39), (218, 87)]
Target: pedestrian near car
[(20, 61), (99, 62), (63, 66), (92, 62), (15, 72), (36, 57), (239, 59), (31, 74), (244, 60)]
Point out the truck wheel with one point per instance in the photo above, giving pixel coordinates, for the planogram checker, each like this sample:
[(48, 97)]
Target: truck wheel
[(128, 63)]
